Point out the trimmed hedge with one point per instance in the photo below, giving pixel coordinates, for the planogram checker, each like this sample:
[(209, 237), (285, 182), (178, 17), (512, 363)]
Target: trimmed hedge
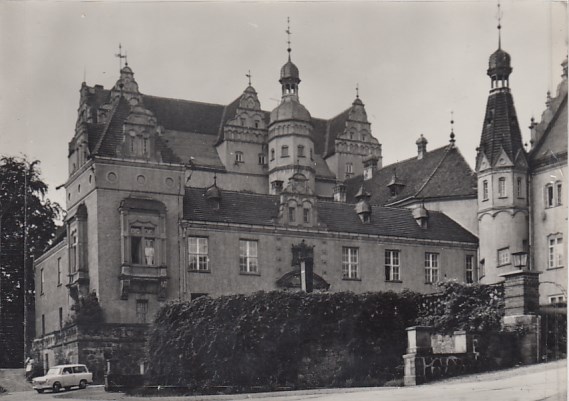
[(281, 339)]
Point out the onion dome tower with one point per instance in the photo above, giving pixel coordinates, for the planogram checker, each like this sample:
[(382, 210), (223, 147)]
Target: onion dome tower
[(290, 141), (502, 173)]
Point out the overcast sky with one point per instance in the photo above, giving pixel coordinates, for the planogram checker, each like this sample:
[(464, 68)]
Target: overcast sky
[(414, 63)]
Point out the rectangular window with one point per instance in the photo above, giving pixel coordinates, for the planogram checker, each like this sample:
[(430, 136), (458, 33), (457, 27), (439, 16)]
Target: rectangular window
[(238, 157), (485, 190), (306, 215), (469, 269), (142, 245), (284, 151), (141, 310), (520, 187), (555, 245), (272, 154), (503, 256), (350, 262), (41, 281), (300, 151), (73, 253), (559, 194), (58, 271), (43, 325), (248, 256), (349, 169), (198, 253), (502, 187), (431, 267), (549, 199), (262, 159), (392, 266), (291, 214), (556, 299), (60, 318)]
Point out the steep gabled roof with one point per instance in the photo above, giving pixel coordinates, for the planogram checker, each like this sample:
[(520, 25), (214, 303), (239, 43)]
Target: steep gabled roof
[(259, 209), (336, 126), (441, 172), (552, 145)]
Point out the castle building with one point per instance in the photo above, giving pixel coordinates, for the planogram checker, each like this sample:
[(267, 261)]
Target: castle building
[(173, 199)]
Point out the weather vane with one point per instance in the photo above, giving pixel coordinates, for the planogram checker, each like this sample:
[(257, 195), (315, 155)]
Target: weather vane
[(120, 56), (499, 18), (288, 32), (248, 75)]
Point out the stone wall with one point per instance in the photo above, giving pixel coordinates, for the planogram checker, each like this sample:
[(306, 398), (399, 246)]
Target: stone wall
[(94, 346)]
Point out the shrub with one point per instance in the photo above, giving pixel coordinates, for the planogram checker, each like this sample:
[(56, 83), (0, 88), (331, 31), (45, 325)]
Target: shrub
[(279, 338), (475, 308)]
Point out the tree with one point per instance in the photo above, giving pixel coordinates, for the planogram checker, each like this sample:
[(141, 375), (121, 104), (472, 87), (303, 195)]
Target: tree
[(27, 227)]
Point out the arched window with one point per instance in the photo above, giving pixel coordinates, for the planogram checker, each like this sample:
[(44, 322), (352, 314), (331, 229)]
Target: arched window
[(349, 170), (272, 154)]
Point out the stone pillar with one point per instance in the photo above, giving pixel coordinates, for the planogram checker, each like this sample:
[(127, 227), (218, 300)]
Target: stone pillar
[(521, 292), (521, 297), (418, 346)]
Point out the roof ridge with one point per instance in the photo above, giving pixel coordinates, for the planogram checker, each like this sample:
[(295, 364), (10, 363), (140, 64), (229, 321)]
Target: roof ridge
[(107, 125), (447, 150), (413, 158), (185, 100)]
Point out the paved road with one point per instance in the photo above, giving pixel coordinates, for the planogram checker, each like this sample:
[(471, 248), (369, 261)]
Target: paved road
[(532, 383)]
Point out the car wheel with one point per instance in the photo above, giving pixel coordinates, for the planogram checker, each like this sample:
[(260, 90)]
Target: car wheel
[(83, 384), (56, 387), (39, 390)]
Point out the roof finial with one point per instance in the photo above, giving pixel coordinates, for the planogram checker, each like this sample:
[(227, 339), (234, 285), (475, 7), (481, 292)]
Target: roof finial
[(499, 17), (288, 32), (125, 59), (120, 56), (357, 91), (452, 140), (248, 75)]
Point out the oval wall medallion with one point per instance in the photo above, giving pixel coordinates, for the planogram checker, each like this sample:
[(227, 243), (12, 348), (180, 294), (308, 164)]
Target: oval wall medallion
[(169, 182), (141, 179)]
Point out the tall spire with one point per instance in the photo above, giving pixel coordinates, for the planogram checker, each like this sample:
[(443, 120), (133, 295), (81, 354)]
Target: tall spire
[(499, 18)]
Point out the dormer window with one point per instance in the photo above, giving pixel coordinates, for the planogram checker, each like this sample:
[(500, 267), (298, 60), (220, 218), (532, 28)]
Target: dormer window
[(291, 214), (306, 215)]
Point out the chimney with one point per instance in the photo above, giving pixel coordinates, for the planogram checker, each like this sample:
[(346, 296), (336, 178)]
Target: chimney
[(370, 166), (421, 147), (340, 192)]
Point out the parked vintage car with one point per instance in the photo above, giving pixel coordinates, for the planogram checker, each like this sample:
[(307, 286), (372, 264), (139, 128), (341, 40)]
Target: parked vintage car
[(63, 376)]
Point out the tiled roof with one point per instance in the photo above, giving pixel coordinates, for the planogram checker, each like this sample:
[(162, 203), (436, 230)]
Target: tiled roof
[(335, 127), (199, 147), (258, 209), (440, 171), (185, 115), (500, 128), (112, 136)]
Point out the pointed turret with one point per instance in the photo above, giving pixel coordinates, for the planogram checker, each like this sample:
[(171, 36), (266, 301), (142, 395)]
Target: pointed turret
[(502, 170)]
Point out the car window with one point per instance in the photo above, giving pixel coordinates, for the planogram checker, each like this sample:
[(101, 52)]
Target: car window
[(53, 371), (67, 371), (79, 369)]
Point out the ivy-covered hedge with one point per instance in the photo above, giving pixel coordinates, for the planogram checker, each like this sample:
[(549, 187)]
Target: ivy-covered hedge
[(475, 308), (276, 339)]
